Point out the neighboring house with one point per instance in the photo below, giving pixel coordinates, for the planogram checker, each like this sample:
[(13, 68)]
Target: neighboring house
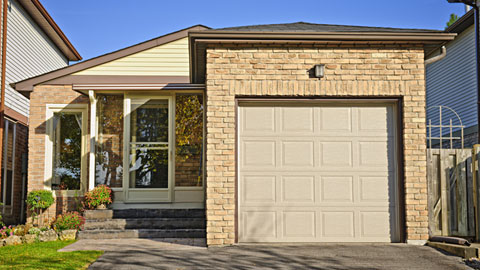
[(35, 45), (234, 121), (452, 82)]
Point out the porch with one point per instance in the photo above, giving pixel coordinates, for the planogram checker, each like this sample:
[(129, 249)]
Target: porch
[(148, 146)]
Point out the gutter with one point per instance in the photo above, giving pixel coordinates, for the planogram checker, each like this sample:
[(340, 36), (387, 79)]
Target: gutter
[(439, 57)]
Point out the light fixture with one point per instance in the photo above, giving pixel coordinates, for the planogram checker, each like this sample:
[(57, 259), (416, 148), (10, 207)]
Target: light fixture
[(319, 71)]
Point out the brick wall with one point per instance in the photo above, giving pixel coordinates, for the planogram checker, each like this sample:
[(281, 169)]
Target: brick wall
[(350, 71), (39, 98), (14, 217)]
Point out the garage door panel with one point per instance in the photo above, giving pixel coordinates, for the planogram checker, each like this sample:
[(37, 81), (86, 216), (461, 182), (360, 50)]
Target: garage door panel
[(297, 120), (259, 153), (258, 119), (260, 225), (298, 189), (337, 189), (336, 154), (335, 119), (259, 189), (299, 224), (298, 153), (318, 174), (338, 224)]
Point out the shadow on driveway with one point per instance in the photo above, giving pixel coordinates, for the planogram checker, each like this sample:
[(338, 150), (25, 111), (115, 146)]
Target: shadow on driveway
[(325, 256)]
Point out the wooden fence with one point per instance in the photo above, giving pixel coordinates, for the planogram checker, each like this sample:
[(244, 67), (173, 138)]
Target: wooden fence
[(451, 191)]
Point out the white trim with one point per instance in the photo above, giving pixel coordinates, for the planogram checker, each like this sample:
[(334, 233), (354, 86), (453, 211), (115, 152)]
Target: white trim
[(93, 139), (138, 86), (48, 173)]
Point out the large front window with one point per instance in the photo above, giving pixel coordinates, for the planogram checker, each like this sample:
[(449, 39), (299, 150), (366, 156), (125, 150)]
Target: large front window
[(66, 143)]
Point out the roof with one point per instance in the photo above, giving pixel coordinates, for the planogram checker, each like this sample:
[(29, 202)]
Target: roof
[(41, 17), (315, 27), (309, 33), (28, 84), (462, 23)]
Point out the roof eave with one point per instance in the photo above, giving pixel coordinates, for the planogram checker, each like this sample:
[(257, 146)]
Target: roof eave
[(378, 36)]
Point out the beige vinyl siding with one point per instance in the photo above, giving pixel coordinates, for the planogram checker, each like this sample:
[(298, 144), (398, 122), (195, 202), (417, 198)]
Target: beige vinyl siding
[(169, 59), (29, 53), (452, 81)]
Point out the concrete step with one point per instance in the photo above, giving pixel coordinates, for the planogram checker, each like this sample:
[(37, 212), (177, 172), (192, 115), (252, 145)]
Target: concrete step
[(145, 223), (159, 213), (142, 233)]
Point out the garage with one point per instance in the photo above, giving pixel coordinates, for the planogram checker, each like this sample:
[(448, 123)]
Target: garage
[(317, 171)]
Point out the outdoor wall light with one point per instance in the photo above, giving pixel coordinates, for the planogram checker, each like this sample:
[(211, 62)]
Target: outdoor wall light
[(319, 71)]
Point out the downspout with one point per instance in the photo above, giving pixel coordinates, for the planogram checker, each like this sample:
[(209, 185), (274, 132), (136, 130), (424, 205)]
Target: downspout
[(2, 87), (439, 57)]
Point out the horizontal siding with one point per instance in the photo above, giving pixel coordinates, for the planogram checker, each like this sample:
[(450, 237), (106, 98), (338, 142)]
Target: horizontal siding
[(29, 53), (452, 81), (171, 59)]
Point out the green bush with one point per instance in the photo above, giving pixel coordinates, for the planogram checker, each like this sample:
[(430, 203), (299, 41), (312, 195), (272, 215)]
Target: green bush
[(1, 222), (99, 195), (40, 199), (34, 230), (68, 221)]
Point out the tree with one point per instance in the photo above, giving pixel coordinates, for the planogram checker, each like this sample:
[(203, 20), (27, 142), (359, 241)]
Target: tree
[(453, 19)]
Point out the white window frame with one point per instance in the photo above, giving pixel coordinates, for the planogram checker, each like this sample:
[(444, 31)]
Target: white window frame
[(51, 109)]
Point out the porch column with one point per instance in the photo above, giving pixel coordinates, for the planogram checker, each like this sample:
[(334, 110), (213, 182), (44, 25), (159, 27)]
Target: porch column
[(93, 135)]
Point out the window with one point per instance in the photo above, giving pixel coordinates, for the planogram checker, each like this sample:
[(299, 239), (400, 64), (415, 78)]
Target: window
[(8, 164), (65, 144), (109, 152), (189, 140)]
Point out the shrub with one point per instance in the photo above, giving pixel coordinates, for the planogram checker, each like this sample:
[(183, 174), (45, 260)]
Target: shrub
[(68, 221), (40, 199), (99, 195), (34, 230), (21, 230)]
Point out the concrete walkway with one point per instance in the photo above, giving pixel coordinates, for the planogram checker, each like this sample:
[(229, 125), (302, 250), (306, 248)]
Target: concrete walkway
[(152, 254)]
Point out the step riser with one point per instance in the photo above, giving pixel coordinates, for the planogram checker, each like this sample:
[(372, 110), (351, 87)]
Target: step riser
[(141, 234), (159, 213), (121, 224)]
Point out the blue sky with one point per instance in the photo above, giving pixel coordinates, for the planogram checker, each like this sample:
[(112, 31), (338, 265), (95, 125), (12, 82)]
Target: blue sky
[(97, 27)]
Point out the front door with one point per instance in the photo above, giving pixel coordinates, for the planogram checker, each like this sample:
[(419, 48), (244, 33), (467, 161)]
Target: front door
[(148, 142)]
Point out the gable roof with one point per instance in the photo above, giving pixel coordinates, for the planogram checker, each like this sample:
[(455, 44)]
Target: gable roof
[(28, 84), (315, 27), (41, 17)]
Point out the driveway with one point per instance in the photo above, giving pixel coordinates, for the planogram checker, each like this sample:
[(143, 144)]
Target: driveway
[(151, 254)]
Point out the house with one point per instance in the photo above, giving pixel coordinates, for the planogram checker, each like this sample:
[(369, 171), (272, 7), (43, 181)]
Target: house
[(452, 82), (294, 132), (34, 45)]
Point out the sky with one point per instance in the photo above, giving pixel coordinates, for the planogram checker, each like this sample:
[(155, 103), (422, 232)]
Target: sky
[(96, 27)]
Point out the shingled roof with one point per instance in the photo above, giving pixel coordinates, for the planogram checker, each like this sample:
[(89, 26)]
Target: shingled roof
[(315, 27)]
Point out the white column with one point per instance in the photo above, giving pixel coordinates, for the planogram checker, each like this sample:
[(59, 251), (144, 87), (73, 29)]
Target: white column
[(93, 141)]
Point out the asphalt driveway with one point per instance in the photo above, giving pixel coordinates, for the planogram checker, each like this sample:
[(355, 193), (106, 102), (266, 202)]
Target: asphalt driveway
[(149, 254)]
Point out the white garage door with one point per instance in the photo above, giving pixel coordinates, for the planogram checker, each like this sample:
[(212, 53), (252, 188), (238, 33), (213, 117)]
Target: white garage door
[(317, 173)]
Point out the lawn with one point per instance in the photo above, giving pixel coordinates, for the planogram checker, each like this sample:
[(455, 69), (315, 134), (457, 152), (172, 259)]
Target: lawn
[(45, 256)]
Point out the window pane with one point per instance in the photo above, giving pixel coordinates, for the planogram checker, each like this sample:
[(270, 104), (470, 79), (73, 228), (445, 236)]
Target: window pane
[(149, 121), (149, 144), (188, 140), (67, 155), (109, 153), (149, 168)]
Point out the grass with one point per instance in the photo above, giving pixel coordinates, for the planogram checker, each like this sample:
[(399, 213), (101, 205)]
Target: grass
[(45, 256)]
